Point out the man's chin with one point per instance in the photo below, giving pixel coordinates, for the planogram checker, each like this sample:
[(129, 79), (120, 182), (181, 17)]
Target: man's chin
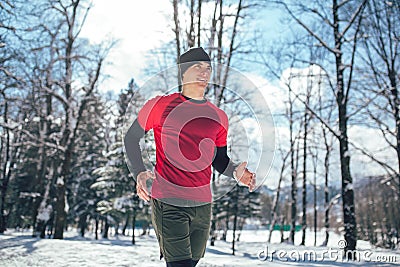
[(203, 85), (198, 85)]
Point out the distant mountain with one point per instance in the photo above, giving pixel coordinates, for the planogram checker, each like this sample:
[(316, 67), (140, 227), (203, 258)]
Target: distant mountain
[(286, 193)]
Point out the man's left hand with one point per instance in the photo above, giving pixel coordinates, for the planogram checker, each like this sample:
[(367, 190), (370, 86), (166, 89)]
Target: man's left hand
[(244, 176)]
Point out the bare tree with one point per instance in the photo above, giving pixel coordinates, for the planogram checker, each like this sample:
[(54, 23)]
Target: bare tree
[(306, 120), (199, 22), (9, 80), (293, 171), (10, 153), (328, 147), (381, 55), (191, 34), (378, 212), (342, 19), (76, 63), (274, 210), (291, 111), (314, 155), (177, 30)]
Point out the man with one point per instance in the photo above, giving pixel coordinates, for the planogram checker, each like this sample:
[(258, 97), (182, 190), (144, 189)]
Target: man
[(190, 135)]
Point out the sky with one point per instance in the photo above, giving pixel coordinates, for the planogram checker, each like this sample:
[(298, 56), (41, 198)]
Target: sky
[(137, 26), (140, 27)]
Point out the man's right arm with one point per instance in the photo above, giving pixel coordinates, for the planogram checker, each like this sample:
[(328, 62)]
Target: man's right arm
[(144, 122), (132, 148)]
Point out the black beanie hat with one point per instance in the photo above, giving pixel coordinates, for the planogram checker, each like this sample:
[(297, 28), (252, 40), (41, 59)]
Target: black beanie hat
[(191, 57)]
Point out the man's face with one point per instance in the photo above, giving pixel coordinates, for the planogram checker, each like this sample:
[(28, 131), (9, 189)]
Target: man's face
[(198, 74)]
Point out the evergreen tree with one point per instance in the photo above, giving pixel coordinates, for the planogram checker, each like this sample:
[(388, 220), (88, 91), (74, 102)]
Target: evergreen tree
[(94, 136), (115, 183)]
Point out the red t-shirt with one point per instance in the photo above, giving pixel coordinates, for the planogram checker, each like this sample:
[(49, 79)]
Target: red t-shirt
[(186, 133)]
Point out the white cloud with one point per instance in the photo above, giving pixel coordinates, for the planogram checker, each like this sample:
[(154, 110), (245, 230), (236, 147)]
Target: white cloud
[(370, 140), (274, 96), (311, 80), (138, 28)]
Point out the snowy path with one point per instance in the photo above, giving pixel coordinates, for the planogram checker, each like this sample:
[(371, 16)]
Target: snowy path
[(20, 249)]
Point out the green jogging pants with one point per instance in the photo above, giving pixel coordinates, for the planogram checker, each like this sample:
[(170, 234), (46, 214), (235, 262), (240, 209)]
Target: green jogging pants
[(182, 232)]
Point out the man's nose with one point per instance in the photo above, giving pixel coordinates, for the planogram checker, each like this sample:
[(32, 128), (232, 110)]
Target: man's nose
[(204, 72)]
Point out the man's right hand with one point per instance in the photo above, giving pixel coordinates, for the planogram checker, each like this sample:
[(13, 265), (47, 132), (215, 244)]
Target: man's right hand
[(141, 186)]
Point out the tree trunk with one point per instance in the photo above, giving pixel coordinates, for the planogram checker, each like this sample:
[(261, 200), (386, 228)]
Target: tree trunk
[(231, 49), (349, 218), (116, 228), (44, 134), (315, 202), (304, 191), (96, 228), (283, 221), (177, 30), (293, 174), (213, 226), (11, 157), (145, 227), (199, 23), (228, 215), (128, 215), (213, 30), (191, 34), (44, 209), (83, 224), (276, 199), (60, 213), (133, 227), (66, 138), (396, 111), (213, 232), (235, 212), (326, 188), (106, 227), (5, 175)]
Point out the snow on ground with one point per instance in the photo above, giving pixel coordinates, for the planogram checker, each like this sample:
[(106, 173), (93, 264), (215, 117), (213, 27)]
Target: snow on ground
[(20, 249)]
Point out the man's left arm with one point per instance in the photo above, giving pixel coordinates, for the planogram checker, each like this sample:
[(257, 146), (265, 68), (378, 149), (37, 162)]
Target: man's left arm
[(224, 165)]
